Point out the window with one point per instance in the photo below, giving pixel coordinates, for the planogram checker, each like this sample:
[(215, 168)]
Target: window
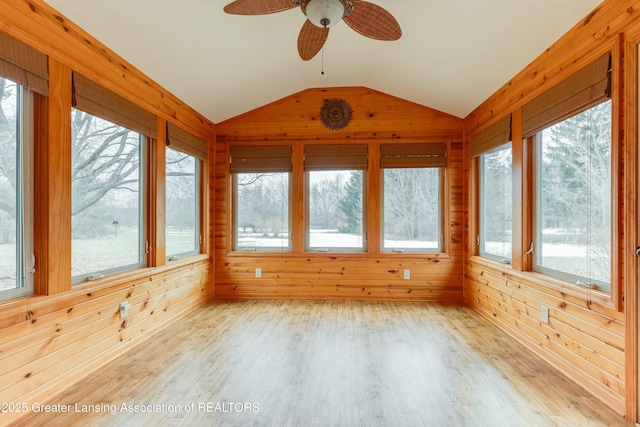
[(412, 209), (335, 188), (573, 198), (182, 204), (496, 203), (107, 224), (335, 210), (108, 181), (186, 159), (24, 72), (571, 125), (262, 211), (16, 124), (492, 147), (411, 197), (261, 194)]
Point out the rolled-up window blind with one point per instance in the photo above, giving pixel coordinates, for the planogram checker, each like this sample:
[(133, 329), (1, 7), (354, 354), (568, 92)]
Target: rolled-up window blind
[(423, 155), (260, 159), (23, 64), (99, 101), (586, 88), (335, 157), (185, 142), (492, 137)]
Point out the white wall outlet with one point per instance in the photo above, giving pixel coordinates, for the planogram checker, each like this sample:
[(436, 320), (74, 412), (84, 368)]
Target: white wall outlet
[(258, 273), (544, 314), (124, 309), (407, 274)]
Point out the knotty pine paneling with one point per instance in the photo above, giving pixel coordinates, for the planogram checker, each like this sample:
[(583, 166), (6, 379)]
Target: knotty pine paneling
[(591, 37), (48, 342), (595, 345), (62, 333), (376, 118), (39, 25), (586, 343)]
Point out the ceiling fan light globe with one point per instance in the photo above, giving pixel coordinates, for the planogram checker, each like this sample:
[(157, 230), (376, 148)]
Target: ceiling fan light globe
[(324, 13)]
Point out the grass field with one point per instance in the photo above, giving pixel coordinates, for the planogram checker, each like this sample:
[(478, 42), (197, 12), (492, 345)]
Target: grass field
[(92, 255)]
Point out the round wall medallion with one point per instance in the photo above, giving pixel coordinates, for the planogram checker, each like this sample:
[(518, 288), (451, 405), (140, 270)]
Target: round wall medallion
[(335, 113)]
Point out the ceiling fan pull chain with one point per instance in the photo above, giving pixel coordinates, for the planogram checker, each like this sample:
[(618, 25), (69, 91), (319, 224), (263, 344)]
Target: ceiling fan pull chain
[(322, 72)]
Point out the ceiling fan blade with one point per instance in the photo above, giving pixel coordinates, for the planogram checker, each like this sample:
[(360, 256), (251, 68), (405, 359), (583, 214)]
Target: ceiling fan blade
[(372, 21), (311, 40), (258, 7)]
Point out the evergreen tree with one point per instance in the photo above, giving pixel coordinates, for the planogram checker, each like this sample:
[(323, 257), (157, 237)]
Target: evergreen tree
[(350, 205)]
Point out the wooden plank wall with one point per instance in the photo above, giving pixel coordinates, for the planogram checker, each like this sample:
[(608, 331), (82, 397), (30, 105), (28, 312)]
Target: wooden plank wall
[(47, 342), (595, 345), (377, 118), (63, 333)]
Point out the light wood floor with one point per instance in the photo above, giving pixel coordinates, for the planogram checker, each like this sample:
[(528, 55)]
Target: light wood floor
[(330, 363)]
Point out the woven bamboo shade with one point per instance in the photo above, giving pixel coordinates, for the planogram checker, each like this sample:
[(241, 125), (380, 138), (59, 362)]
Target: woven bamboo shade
[(579, 92), (492, 137), (335, 157), (23, 64), (260, 159), (183, 141), (424, 155), (99, 101)]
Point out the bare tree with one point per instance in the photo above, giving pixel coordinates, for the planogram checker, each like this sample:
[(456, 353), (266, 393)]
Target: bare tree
[(576, 190), (8, 147), (411, 208), (181, 190), (105, 157)]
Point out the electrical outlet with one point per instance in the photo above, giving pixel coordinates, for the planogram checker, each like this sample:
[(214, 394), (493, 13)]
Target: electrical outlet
[(407, 274), (124, 309), (544, 314), (258, 273)]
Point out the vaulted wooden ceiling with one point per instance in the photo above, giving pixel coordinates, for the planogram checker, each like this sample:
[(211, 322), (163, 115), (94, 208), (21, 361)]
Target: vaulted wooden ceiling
[(451, 57)]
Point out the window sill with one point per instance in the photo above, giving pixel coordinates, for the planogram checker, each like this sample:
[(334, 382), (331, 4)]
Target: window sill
[(563, 288), (16, 310), (328, 255), (180, 262), (138, 273)]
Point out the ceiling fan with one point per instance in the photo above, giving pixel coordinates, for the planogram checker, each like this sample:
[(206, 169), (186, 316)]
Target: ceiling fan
[(363, 17)]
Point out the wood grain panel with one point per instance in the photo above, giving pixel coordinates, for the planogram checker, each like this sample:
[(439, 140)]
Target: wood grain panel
[(39, 25), (63, 333), (609, 335), (157, 198), (80, 331), (630, 220), (376, 116), (52, 203), (342, 363), (583, 43), (369, 275), (586, 342)]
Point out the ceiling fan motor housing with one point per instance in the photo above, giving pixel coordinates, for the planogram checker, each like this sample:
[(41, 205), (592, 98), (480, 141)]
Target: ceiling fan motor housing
[(326, 13)]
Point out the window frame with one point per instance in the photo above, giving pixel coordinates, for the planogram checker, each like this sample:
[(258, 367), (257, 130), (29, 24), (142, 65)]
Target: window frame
[(197, 214), (536, 267), (481, 199), (523, 194), (143, 215), (335, 249), (234, 218), (25, 258), (441, 217)]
